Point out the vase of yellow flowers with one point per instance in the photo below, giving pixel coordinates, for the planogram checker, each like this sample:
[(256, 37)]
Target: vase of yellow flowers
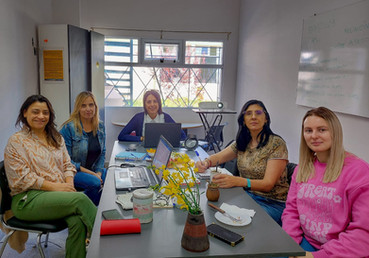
[(182, 186)]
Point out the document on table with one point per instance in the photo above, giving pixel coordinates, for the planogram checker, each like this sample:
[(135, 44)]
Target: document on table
[(207, 175)]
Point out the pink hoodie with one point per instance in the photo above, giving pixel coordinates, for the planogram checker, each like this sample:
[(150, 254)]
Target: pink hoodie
[(333, 217)]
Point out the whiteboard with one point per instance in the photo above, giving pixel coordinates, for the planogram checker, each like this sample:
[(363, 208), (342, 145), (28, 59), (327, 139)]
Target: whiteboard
[(334, 60)]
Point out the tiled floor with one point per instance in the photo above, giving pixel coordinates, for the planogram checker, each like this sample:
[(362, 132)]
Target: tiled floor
[(55, 248)]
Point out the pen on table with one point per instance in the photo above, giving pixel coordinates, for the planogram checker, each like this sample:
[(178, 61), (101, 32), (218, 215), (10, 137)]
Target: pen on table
[(198, 155)]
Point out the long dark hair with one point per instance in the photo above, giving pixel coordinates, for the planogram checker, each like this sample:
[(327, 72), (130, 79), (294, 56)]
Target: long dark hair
[(156, 95), (243, 134), (52, 135)]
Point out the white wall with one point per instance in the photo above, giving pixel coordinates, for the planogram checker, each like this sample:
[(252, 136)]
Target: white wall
[(269, 49), (204, 15), (66, 12), (18, 64), (57, 92), (269, 45)]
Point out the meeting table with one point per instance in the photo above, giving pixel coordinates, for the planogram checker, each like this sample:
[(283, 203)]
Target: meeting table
[(263, 237)]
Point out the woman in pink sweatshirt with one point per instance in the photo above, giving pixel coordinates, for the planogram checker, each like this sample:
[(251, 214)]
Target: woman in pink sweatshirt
[(327, 208)]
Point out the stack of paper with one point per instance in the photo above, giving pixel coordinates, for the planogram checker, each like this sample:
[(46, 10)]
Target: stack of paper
[(210, 172)]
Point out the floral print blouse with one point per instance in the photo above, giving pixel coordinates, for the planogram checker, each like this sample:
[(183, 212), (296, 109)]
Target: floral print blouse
[(28, 162)]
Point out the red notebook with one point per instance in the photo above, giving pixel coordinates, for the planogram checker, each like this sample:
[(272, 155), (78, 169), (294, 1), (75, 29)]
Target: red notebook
[(120, 226)]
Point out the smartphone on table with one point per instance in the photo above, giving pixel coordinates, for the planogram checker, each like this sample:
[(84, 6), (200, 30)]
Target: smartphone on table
[(224, 234), (112, 214)]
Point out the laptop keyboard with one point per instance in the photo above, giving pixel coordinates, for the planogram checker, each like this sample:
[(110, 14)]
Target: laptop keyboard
[(138, 177)]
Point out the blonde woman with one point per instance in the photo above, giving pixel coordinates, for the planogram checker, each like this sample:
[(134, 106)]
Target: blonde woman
[(327, 205), (84, 137), (40, 175)]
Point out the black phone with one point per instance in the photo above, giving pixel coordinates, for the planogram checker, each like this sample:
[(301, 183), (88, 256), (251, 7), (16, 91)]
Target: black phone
[(112, 214), (224, 234)]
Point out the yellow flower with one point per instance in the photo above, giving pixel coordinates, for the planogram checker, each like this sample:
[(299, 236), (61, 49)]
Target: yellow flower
[(181, 182), (166, 173), (167, 191), (191, 184)]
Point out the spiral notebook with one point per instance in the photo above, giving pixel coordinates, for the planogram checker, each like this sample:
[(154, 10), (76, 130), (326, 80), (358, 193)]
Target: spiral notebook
[(131, 178)]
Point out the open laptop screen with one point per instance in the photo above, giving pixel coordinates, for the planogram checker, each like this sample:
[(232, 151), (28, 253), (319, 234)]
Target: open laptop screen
[(171, 132), (163, 152)]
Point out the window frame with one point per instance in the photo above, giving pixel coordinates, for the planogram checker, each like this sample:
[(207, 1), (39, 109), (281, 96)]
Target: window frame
[(170, 64), (141, 54)]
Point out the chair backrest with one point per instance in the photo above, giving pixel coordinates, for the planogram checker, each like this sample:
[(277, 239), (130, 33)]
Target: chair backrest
[(290, 168), (6, 199), (217, 132), (231, 165)]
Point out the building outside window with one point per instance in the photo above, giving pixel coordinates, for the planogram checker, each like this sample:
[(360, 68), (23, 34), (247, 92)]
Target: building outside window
[(184, 72)]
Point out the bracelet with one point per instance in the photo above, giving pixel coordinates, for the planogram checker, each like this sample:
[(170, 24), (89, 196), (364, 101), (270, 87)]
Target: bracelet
[(209, 162), (248, 184)]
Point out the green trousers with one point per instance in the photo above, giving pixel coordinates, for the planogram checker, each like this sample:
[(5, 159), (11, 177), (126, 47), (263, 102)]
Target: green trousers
[(76, 208)]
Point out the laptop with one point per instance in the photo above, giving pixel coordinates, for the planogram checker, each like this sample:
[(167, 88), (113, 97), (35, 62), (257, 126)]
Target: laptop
[(131, 178), (171, 132)]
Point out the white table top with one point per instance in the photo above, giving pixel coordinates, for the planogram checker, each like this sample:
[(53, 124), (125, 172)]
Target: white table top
[(184, 125)]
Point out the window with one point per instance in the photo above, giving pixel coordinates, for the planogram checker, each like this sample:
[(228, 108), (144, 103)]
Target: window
[(184, 72), (163, 52)]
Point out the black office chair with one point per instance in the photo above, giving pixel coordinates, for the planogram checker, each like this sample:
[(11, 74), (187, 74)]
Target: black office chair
[(13, 224), (213, 138), (290, 168), (231, 165)]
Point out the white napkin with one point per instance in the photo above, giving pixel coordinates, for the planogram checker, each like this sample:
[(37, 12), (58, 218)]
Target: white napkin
[(125, 201), (233, 209)]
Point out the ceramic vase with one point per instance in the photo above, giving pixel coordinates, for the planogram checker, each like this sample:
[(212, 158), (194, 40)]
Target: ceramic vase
[(195, 236), (212, 193)]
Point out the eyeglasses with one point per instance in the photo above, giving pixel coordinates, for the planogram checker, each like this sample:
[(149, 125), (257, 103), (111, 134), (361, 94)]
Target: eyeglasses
[(161, 200), (250, 112)]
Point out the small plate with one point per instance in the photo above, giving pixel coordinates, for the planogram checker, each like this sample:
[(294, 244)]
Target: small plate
[(245, 218)]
